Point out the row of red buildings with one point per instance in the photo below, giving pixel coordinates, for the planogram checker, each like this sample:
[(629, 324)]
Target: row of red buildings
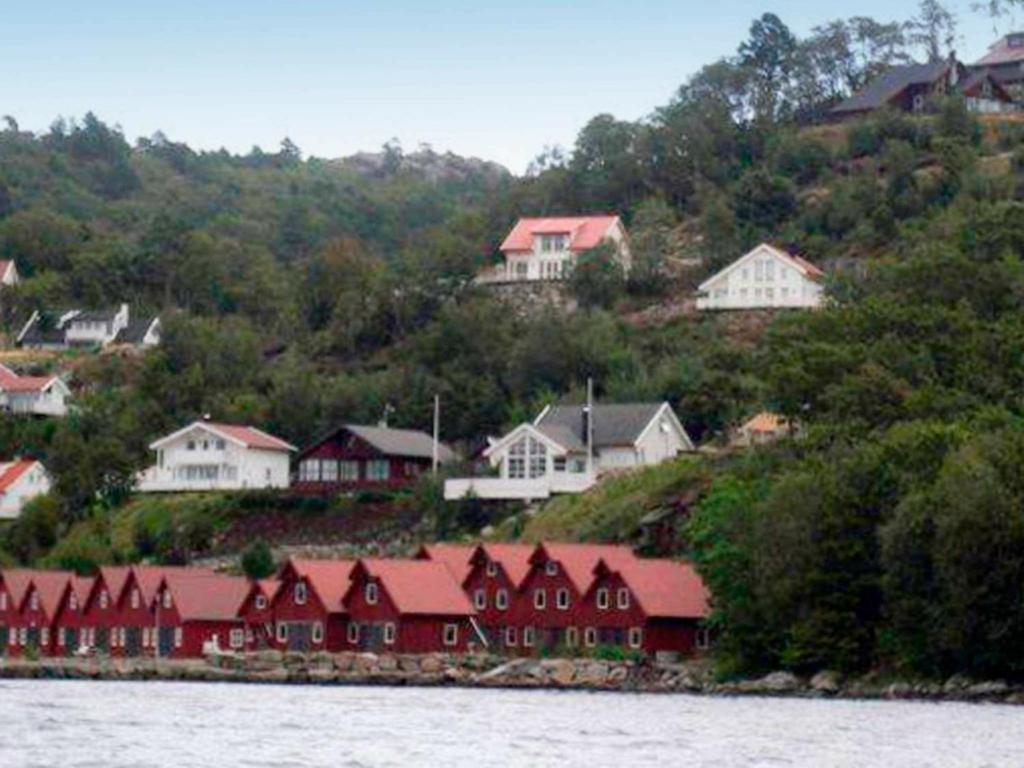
[(508, 598)]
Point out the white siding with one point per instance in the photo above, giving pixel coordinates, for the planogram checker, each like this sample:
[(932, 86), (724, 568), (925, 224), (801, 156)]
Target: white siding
[(35, 482), (760, 280)]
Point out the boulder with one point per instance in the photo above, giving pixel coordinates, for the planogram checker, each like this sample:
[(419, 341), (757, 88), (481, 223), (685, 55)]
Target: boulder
[(826, 681), (344, 662), (775, 682), (955, 684), (990, 689), (899, 690), (409, 664), (431, 665), (593, 674), (562, 672), (618, 675), (366, 663), (387, 663)]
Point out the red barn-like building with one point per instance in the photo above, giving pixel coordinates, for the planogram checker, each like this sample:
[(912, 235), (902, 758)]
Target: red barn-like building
[(37, 610), (408, 606), (257, 612), (190, 610), (70, 619), (101, 614), (497, 572), (308, 610)]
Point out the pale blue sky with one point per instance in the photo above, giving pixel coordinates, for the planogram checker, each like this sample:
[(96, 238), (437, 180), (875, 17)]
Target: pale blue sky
[(498, 80)]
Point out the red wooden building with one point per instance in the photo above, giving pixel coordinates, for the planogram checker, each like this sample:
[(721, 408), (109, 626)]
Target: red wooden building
[(456, 556), (257, 613), (101, 615), (190, 610), (496, 574), (37, 609), (355, 457), (307, 609), (14, 585), (408, 606), (654, 606), (67, 632)]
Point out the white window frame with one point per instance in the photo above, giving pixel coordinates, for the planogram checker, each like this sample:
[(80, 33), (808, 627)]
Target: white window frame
[(636, 637), (590, 637), (603, 599), (540, 599), (491, 568), (301, 593), (572, 636), (389, 634), (562, 599), (236, 638), (622, 598), (44, 637), (261, 602), (352, 633), (480, 599), (529, 635), (501, 599), (450, 635), (179, 637), (33, 601), (317, 633), (282, 632), (136, 598), (104, 599), (372, 593), (702, 639), (551, 568), (511, 637), (167, 601)]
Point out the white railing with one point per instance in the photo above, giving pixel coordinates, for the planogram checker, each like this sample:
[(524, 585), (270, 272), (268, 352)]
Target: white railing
[(503, 488)]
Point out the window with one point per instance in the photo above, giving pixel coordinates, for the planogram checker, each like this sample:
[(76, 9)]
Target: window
[(492, 568), (572, 637), (23, 637), (636, 637), (559, 463), (145, 637), (769, 293), (3, 601), (73, 601), (44, 636), (529, 633), (769, 271), (480, 599), (14, 637), (309, 471), (114, 633), (510, 637), (553, 243), (237, 638), (501, 599), (353, 633), (540, 599), (348, 471), (372, 593), (562, 599), (261, 602), (538, 459), (451, 634), (758, 270), (703, 639), (220, 445), (301, 593), (603, 599), (378, 469), (179, 637), (33, 601), (389, 635), (517, 460), (590, 637), (191, 445), (206, 445), (318, 632), (329, 471), (551, 568), (622, 598), (167, 598), (282, 633), (918, 104)]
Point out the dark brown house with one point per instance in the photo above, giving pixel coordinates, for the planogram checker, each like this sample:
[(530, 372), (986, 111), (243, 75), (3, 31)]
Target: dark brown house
[(355, 457)]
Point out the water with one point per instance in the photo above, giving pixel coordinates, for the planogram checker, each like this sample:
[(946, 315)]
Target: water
[(109, 725)]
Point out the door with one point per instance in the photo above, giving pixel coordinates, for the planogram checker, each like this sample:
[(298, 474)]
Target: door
[(5, 638), (33, 638), (166, 641), (70, 641), (103, 639), (133, 641), (298, 637)]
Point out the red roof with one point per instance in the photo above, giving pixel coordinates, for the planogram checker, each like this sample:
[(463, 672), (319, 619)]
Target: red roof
[(250, 436), (664, 588), (205, 596), (456, 556), (584, 231), (114, 576), (12, 382), (17, 581), (269, 587), (1002, 52), (51, 586), (811, 269), (150, 577), (514, 559), (10, 472), (579, 560), (329, 578), (82, 585), (424, 587)]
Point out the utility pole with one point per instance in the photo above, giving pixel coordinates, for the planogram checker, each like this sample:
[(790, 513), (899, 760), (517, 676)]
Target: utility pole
[(590, 427), (437, 434)]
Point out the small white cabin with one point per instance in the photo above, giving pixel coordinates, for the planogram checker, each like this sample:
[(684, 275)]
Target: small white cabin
[(765, 278), (21, 481), (32, 395)]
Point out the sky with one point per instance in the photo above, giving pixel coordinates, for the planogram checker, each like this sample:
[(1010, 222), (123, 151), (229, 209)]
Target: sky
[(497, 80)]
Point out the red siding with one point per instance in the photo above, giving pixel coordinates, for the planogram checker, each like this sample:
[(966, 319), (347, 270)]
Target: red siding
[(344, 446), (301, 618)]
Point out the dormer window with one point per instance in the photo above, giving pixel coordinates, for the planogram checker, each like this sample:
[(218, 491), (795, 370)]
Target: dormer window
[(261, 602), (372, 593), (301, 593), (167, 599), (104, 599), (554, 243), (135, 598)]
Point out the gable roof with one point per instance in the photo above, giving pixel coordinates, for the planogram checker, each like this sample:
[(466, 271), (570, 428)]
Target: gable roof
[(330, 579), (15, 382), (456, 557), (240, 434), (114, 577), (11, 472), (17, 582), (584, 232), (513, 558), (5, 266), (613, 423), (409, 443), (422, 587), (664, 588), (891, 83), (150, 577), (51, 586), (580, 560), (136, 330), (979, 77), (82, 586), (207, 597), (1002, 52), (802, 265), (765, 421)]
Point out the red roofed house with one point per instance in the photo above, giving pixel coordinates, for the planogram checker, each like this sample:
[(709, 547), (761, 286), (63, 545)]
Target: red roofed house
[(32, 395), (21, 481), (547, 248), (14, 583), (207, 456), (309, 613), (765, 278), (257, 613), (408, 606), (68, 634), (496, 574), (134, 633), (193, 609), (653, 606), (549, 610), (38, 595), (101, 613), (456, 556)]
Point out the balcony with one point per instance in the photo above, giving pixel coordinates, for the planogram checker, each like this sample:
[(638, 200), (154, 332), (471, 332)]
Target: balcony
[(516, 489)]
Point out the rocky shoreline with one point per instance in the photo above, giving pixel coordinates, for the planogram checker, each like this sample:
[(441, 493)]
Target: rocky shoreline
[(484, 671)]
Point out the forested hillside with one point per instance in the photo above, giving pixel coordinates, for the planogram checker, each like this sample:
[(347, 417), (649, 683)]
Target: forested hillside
[(299, 292)]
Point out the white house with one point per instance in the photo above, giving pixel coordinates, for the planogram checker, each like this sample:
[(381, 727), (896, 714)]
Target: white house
[(20, 481), (765, 278), (32, 395), (561, 451), (207, 456), (78, 328), (547, 248), (8, 273)]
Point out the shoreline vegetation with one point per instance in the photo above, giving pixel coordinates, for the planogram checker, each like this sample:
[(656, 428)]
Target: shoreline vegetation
[(488, 671)]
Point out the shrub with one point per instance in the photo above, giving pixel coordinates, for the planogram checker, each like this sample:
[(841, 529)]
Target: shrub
[(257, 560)]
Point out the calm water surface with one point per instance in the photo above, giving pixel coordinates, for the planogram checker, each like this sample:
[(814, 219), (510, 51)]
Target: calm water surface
[(109, 725)]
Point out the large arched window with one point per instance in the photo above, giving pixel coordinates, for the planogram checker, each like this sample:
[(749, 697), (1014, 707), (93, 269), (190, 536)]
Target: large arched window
[(527, 457)]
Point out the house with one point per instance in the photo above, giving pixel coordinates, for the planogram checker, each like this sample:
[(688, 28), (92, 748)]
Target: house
[(38, 595), (563, 450), (14, 583), (547, 248), (761, 429), (208, 456), (257, 613), (493, 584), (192, 611), (32, 395), (408, 606), (549, 610), (354, 457), (8, 273), (457, 557), (651, 606), (1004, 62), (63, 329), (765, 278), (308, 611), (101, 615), (21, 481), (914, 88), (68, 626)]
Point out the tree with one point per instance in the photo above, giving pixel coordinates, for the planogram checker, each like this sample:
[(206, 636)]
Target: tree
[(764, 200), (933, 29), (257, 560), (650, 244), (597, 279), (769, 53)]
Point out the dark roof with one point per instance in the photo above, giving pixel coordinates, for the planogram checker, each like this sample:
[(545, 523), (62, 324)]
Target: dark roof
[(978, 77), (407, 443), (94, 316), (883, 88), (614, 423), (37, 335), (135, 332)]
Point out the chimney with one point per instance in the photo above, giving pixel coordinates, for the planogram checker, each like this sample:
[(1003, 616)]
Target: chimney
[(585, 425)]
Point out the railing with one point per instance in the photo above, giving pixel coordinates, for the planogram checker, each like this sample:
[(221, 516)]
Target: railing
[(499, 488)]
